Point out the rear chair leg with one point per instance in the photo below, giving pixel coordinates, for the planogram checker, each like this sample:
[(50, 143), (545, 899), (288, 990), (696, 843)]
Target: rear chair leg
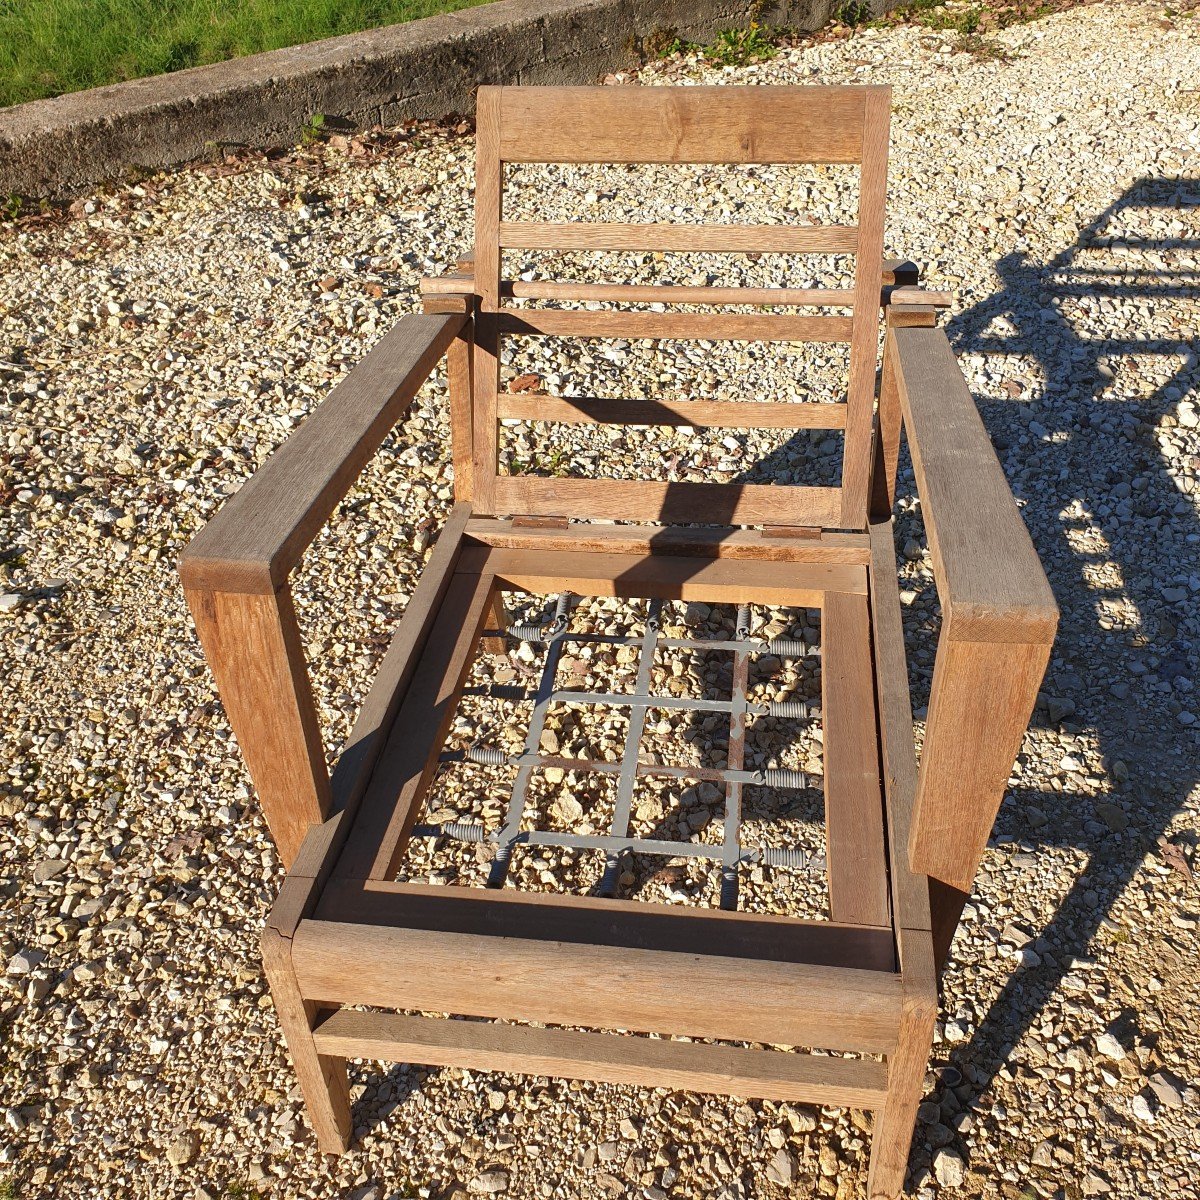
[(323, 1078), (499, 619), (895, 1122)]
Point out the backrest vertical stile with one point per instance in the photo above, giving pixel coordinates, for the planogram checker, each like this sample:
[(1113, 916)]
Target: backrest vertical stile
[(864, 339), (489, 190)]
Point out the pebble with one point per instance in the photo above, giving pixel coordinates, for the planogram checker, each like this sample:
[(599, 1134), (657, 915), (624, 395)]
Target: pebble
[(948, 1169), (489, 1183), (781, 1170)]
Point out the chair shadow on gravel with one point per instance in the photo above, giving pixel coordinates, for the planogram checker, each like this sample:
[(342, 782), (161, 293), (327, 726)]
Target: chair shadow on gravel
[(1121, 642), (1079, 443)]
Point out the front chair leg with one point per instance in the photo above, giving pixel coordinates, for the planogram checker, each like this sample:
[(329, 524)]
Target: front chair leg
[(895, 1122), (323, 1078)]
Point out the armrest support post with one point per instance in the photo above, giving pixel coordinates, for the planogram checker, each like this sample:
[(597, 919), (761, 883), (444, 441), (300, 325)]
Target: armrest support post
[(252, 644)]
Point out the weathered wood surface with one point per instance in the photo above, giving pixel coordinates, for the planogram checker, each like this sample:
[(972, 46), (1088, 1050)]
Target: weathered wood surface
[(606, 1058), (682, 125), (253, 648), (260, 532), (705, 414), (638, 924), (714, 541), (856, 855), (566, 983)]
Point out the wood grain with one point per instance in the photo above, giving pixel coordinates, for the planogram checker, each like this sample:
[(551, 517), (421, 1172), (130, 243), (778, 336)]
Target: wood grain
[(714, 541), (868, 279), (979, 707), (990, 582), (910, 895), (409, 755), (711, 327), (322, 1075), (857, 857), (260, 532), (674, 503), (253, 647), (682, 124), (683, 239), (638, 924), (704, 414), (893, 1133), (675, 293), (566, 983), (727, 581), (606, 1058)]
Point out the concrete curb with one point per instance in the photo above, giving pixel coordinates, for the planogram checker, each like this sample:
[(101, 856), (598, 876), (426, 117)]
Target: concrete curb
[(57, 148)]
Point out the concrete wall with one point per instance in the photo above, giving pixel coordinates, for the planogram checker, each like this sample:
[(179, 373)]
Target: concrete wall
[(429, 68)]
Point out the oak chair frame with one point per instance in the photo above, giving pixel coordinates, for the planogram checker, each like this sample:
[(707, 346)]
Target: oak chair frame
[(904, 844)]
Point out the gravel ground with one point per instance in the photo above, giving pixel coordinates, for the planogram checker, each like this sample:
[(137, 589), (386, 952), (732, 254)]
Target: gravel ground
[(158, 341)]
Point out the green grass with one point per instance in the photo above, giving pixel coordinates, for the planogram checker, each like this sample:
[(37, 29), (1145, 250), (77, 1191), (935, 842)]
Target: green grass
[(52, 46), (740, 47)]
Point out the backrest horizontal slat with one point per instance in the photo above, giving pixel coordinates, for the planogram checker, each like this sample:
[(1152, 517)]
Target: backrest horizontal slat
[(684, 502), (682, 124), (714, 327), (715, 239), (675, 293), (703, 414)]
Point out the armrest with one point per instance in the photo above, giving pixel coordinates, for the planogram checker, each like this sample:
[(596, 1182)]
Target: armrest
[(235, 573), (261, 531), (990, 580), (998, 617)]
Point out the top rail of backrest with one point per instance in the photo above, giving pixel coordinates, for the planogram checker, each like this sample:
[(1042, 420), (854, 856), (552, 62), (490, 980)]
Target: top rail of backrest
[(682, 124)]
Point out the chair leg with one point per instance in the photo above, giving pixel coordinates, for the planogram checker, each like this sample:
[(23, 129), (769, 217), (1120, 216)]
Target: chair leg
[(323, 1078), (895, 1122), (499, 618)]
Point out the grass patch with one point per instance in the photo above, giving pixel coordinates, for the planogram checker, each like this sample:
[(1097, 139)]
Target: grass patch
[(52, 46), (740, 47)]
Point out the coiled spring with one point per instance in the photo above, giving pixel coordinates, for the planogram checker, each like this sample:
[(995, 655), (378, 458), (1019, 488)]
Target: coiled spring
[(788, 647), (788, 856), (488, 756), (778, 777), (528, 631), (743, 623), (790, 708), (465, 831)]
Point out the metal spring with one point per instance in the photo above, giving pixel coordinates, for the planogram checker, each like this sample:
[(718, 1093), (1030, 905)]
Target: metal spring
[(526, 633), (743, 623), (562, 610), (729, 887), (788, 647), (465, 831), (611, 876), (488, 756), (788, 856), (778, 777), (789, 708)]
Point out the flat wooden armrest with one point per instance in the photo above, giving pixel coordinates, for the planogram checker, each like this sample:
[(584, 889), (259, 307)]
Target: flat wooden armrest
[(990, 580), (261, 531), (998, 619)]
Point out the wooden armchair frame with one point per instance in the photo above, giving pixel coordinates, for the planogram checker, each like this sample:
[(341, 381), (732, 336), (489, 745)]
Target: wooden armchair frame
[(348, 951)]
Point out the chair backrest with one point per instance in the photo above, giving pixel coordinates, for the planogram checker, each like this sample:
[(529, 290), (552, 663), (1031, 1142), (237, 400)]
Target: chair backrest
[(680, 125)]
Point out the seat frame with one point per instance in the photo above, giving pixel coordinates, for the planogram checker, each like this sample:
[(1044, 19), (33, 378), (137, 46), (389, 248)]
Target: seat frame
[(354, 957)]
